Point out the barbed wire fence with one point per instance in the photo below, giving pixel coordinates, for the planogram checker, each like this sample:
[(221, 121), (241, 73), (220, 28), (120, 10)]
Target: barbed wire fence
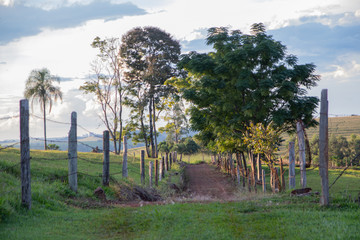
[(71, 173)]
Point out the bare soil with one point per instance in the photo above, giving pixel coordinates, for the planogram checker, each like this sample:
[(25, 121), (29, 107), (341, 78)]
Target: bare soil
[(205, 182)]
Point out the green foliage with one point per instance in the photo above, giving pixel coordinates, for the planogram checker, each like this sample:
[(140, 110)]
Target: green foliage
[(248, 78), (263, 140), (191, 146), (164, 147), (53, 146), (149, 56), (40, 86)]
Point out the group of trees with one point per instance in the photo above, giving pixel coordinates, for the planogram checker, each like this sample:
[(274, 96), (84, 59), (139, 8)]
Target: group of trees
[(242, 95), (245, 89), (341, 149)]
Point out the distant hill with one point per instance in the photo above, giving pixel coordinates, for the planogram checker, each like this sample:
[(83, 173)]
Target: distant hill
[(86, 143), (339, 126)]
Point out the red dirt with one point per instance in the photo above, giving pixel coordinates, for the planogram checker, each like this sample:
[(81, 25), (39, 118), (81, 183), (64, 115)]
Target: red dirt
[(207, 183)]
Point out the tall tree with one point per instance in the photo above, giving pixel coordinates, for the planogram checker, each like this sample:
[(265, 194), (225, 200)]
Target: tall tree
[(248, 78), (106, 83), (150, 56), (40, 86)]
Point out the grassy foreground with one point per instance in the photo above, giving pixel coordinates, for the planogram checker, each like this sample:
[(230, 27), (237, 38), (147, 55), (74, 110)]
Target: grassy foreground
[(58, 213)]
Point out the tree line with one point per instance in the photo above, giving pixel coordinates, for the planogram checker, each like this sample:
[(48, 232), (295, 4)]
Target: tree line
[(342, 150), (238, 98)]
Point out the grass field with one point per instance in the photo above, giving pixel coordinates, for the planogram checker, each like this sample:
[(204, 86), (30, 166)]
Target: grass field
[(59, 213)]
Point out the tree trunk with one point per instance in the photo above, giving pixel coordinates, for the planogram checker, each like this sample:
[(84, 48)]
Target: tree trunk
[(45, 143), (253, 167), (121, 125), (144, 132), (151, 129), (244, 161), (154, 123)]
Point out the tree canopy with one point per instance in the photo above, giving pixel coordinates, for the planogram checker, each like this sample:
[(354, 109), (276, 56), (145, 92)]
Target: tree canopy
[(40, 86), (150, 56), (248, 78)]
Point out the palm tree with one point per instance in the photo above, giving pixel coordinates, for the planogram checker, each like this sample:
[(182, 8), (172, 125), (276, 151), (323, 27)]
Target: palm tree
[(39, 85)]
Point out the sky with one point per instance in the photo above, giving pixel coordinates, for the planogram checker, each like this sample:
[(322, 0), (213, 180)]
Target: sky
[(57, 34)]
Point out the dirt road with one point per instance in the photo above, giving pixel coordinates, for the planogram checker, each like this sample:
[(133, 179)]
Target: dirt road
[(207, 183)]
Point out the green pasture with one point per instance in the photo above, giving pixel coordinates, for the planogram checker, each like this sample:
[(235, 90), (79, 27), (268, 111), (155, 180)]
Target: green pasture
[(59, 213)]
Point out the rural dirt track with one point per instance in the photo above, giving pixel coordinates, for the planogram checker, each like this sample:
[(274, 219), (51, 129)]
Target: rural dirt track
[(207, 183)]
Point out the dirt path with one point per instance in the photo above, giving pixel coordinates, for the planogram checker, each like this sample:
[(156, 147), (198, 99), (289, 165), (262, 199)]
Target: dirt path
[(207, 183)]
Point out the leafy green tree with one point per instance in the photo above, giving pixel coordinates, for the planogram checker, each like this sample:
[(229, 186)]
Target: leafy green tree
[(191, 147), (339, 151), (248, 78), (40, 86), (177, 123), (354, 145), (150, 56), (314, 143), (108, 87), (53, 147)]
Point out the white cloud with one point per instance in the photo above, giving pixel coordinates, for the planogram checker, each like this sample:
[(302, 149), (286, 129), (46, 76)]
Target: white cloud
[(347, 69)]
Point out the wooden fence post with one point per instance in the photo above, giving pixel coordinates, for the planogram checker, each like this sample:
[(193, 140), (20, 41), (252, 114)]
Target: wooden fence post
[(170, 160), (243, 177), (238, 173), (277, 180), (292, 165), (156, 172), (259, 168), (161, 170), (72, 153), (263, 181), (162, 167), (106, 159), (25, 154), (125, 158), (150, 173), (323, 148), (249, 181), (301, 140), (142, 166), (282, 175), (166, 163)]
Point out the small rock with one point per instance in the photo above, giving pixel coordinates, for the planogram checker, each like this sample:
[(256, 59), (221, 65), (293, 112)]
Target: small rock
[(99, 193)]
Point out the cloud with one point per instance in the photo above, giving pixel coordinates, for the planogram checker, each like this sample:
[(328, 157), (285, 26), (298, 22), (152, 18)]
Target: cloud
[(315, 42), (2, 63), (19, 20)]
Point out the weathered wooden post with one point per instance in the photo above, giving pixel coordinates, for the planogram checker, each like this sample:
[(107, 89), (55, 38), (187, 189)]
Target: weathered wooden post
[(156, 172), (259, 168), (142, 166), (25, 154), (282, 175), (72, 153), (125, 158), (276, 179), (161, 170), (238, 173), (106, 159), (243, 177), (162, 167), (323, 148), (166, 163), (170, 160), (301, 140), (292, 165), (150, 174), (263, 181), (249, 181)]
